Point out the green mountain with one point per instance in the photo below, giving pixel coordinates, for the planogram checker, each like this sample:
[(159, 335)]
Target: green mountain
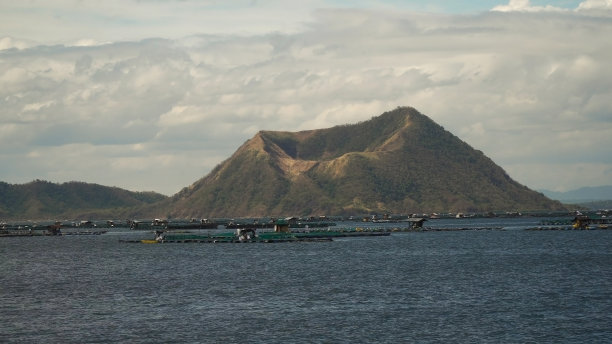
[(398, 162), (46, 200)]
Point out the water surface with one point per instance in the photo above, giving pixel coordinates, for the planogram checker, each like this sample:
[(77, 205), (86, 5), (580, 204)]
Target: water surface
[(485, 286)]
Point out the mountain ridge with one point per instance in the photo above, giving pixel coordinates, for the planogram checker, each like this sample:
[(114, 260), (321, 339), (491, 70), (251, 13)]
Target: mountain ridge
[(40, 199), (399, 162), (583, 194)]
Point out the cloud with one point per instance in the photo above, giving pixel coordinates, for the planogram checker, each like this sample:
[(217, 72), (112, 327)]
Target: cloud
[(528, 89), (87, 23), (525, 6), (596, 7), (12, 43)]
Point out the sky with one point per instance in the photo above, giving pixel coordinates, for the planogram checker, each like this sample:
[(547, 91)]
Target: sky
[(151, 95)]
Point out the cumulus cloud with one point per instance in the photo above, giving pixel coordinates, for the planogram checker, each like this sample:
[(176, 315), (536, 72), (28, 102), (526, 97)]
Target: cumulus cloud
[(524, 6), (157, 114), (593, 6), (12, 43)]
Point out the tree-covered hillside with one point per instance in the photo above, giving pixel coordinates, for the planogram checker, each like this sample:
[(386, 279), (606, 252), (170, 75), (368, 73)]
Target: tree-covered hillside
[(44, 200)]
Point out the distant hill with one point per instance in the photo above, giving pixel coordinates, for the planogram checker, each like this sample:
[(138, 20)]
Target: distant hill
[(398, 162), (582, 195), (596, 205), (46, 200)]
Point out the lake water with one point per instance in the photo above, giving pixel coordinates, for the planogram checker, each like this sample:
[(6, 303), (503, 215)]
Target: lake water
[(475, 286)]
